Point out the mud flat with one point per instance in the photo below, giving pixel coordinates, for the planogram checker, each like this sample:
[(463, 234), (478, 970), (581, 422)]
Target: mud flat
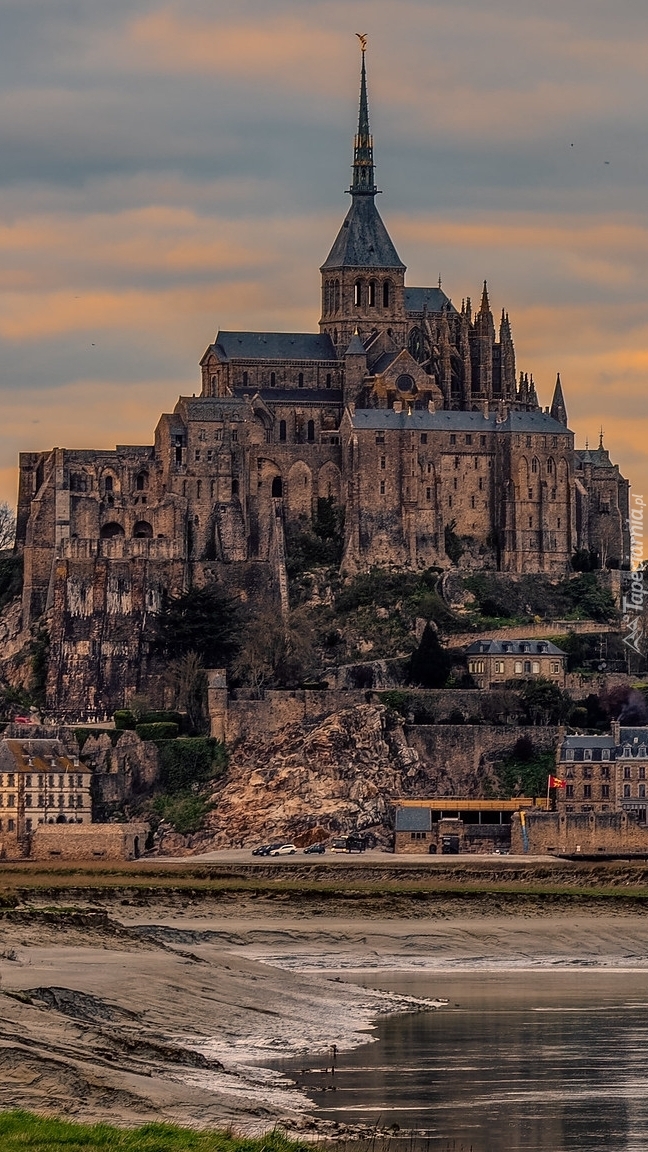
[(128, 1012)]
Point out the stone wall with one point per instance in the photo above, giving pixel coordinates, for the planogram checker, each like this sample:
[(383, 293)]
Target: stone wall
[(89, 841), (550, 833)]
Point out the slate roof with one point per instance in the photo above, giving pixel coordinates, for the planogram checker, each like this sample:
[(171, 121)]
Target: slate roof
[(588, 742), (440, 421), (514, 648), (295, 395), (363, 241), (434, 299), (599, 457), (629, 735), (275, 346), (413, 819)]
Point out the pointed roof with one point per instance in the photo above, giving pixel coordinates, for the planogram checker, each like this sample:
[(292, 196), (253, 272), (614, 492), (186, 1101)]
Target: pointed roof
[(356, 347), (485, 302), (558, 407), (363, 241)]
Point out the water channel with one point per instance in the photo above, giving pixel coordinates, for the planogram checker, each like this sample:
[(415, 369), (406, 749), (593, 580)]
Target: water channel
[(533, 1061)]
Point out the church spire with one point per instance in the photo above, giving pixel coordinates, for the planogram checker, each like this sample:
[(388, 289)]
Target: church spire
[(558, 407), (363, 161)]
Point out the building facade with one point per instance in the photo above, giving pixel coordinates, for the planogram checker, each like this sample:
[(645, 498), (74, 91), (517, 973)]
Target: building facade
[(495, 662), (404, 410), (604, 773), (40, 784)]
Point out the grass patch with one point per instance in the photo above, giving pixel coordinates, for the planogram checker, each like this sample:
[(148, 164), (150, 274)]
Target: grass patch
[(22, 1131)]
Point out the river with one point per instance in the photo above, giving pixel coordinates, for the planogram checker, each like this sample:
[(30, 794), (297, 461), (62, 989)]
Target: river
[(518, 1061)]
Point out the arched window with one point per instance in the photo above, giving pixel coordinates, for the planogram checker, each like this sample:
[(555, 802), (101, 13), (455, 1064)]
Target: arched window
[(273, 379), (142, 530), (386, 294), (277, 488), (357, 293), (141, 482), (326, 296), (372, 293), (337, 296), (198, 489), (245, 379), (108, 483), (235, 487), (300, 380), (534, 465), (110, 531), (550, 466), (311, 430), (282, 429)]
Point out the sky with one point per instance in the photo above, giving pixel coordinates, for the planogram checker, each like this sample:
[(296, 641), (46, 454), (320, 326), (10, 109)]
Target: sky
[(167, 169)]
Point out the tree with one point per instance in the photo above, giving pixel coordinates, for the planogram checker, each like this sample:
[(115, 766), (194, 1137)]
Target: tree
[(275, 651), (188, 681), (7, 527), (204, 621), (544, 702), (430, 664)]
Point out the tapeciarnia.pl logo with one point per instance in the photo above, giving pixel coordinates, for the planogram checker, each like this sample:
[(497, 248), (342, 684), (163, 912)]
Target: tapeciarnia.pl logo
[(633, 598)]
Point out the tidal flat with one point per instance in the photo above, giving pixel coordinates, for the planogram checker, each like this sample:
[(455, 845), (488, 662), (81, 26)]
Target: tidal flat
[(192, 1001)]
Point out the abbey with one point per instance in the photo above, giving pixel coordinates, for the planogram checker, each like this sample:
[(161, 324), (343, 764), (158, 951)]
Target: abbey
[(403, 409)]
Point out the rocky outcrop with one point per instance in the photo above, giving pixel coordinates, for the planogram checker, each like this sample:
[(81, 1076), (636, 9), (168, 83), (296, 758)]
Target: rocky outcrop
[(121, 773)]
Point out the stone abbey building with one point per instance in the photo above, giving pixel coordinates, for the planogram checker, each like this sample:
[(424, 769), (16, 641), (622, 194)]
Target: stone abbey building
[(403, 408)]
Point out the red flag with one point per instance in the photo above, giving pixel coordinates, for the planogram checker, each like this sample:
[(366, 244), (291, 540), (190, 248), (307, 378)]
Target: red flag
[(555, 782)]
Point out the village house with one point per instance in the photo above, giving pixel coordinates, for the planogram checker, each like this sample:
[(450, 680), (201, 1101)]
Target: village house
[(494, 662)]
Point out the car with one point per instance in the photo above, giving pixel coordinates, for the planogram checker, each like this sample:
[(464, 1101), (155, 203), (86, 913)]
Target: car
[(314, 850), (283, 850), (340, 845), (266, 849)]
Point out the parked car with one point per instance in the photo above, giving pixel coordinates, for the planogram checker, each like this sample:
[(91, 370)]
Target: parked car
[(266, 849), (283, 850), (314, 850)]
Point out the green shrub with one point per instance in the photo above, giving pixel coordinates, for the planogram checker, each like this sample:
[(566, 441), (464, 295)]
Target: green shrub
[(157, 731), (189, 761), (124, 720), (184, 811), (164, 717)]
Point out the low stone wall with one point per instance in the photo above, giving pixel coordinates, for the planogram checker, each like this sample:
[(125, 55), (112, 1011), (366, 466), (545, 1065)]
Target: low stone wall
[(89, 841), (279, 708), (550, 833), (526, 631)]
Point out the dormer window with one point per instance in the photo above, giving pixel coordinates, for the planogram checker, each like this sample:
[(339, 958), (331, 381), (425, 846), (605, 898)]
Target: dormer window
[(587, 753), (605, 753)]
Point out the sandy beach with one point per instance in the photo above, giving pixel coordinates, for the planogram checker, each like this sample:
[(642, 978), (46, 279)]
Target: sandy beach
[(128, 1014)]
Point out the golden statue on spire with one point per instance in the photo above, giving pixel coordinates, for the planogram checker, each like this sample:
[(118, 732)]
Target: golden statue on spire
[(362, 37)]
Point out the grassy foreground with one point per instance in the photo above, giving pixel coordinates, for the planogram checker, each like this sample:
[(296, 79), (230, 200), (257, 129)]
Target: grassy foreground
[(24, 1132)]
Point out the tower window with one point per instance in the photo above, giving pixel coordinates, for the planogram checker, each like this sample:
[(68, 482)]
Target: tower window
[(357, 293), (468, 438), (534, 465), (310, 433), (383, 462), (530, 521), (337, 299), (328, 379), (423, 437), (277, 488), (273, 379), (108, 483), (386, 294), (453, 438), (372, 294), (300, 380), (382, 487), (282, 429), (245, 379), (235, 487)]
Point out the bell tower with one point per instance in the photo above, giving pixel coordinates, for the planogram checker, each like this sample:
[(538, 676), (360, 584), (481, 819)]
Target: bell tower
[(363, 277)]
